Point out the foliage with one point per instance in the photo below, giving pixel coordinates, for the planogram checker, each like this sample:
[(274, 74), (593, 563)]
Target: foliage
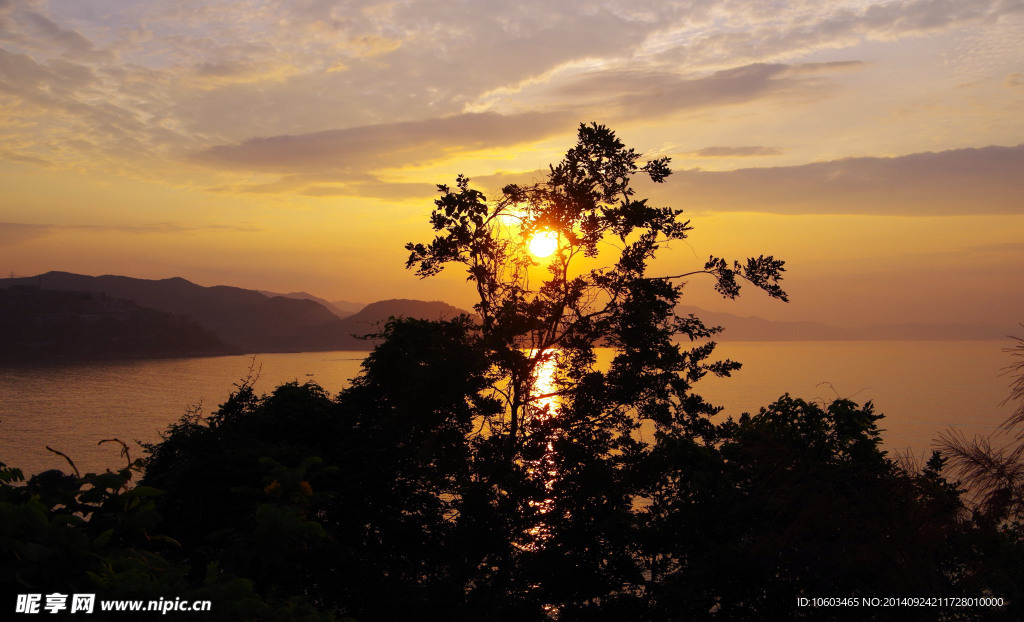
[(589, 203), (991, 470), (797, 500), (993, 467), (99, 534), (598, 291), (347, 500)]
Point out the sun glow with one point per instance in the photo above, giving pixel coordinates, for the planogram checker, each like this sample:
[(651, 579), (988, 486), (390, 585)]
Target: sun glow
[(543, 243)]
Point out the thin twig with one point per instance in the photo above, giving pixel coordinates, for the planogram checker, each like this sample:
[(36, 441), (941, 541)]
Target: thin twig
[(65, 456)]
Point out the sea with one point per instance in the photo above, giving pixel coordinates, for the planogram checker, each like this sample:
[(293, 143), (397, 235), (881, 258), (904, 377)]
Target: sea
[(923, 388)]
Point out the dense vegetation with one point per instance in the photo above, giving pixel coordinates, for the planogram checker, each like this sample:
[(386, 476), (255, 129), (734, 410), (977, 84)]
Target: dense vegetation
[(490, 468)]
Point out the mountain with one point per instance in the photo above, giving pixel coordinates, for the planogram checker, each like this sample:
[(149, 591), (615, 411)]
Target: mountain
[(347, 307), (759, 329), (45, 326), (247, 319), (370, 315), (930, 331), (340, 308), (739, 328), (241, 317)]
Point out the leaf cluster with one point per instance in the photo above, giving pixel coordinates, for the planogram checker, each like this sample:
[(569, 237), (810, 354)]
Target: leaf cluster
[(101, 534)]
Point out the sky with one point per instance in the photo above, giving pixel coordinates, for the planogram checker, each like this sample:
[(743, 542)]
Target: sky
[(877, 147)]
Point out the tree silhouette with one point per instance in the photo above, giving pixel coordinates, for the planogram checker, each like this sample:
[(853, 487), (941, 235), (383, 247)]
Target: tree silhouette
[(991, 471), (571, 480), (589, 204), (992, 467)]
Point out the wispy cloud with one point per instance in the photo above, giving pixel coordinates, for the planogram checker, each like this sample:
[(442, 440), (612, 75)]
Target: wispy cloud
[(736, 152), (122, 83), (962, 181), (15, 156), (16, 233), (649, 92), (385, 191), (354, 152), (774, 31)]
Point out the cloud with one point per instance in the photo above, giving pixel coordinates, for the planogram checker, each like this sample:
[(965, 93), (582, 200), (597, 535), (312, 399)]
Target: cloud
[(353, 152), (658, 92), (651, 92), (52, 84), (989, 180), (234, 68), (385, 191), (15, 233), (326, 82), (335, 185), (735, 152), (741, 30), (830, 67), (160, 228), (62, 110), (12, 156), (31, 30), (68, 40)]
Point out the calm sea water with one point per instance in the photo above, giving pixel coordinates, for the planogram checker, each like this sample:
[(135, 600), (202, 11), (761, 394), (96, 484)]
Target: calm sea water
[(922, 387)]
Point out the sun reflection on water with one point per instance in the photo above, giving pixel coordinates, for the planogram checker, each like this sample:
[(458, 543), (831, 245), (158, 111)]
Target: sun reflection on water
[(543, 406)]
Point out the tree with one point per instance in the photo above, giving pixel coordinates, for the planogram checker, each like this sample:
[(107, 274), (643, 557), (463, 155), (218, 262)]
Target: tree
[(580, 516), (991, 471), (347, 501), (796, 500), (587, 202), (993, 467)]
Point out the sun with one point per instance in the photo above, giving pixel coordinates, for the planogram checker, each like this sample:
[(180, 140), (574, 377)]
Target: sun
[(543, 243)]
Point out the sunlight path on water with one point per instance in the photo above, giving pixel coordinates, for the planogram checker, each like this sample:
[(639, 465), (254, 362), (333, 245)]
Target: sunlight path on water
[(543, 406)]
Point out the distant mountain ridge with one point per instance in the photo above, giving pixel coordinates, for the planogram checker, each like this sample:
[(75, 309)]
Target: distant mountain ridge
[(374, 312), (347, 306), (246, 319), (341, 308), (47, 326), (738, 328)]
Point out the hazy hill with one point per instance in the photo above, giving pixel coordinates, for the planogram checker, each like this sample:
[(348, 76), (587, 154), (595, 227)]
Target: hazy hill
[(367, 318), (347, 306), (56, 325), (340, 308), (739, 328), (247, 319), (253, 321), (242, 317)]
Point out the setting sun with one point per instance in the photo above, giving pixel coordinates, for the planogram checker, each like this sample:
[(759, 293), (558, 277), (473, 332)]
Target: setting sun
[(543, 243)]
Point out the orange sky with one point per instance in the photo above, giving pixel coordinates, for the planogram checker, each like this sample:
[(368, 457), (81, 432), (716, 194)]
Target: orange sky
[(877, 147)]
